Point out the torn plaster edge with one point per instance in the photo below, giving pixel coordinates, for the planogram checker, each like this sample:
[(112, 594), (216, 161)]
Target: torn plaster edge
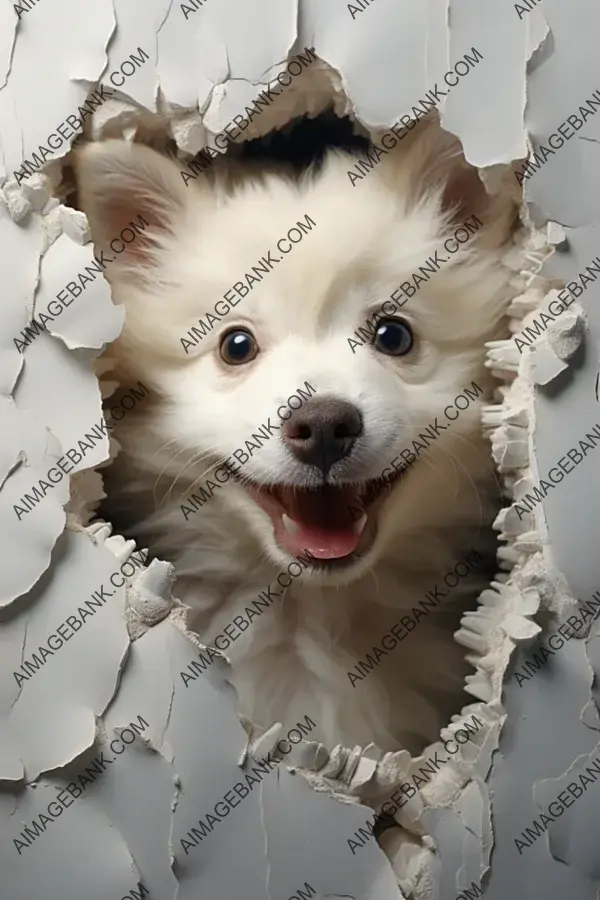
[(36, 197), (512, 426), (317, 88), (149, 597), (49, 183), (87, 486), (22, 202), (341, 772), (148, 590), (149, 601), (500, 621), (527, 536)]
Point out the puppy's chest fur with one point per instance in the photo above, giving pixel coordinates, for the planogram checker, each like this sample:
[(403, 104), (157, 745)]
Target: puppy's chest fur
[(294, 657)]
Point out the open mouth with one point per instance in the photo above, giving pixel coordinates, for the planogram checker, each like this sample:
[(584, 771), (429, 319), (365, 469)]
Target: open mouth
[(328, 526)]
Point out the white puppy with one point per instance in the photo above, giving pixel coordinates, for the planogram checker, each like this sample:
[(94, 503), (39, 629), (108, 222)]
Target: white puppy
[(219, 476)]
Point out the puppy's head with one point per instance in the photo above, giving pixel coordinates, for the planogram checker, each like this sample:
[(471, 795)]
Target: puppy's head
[(250, 312)]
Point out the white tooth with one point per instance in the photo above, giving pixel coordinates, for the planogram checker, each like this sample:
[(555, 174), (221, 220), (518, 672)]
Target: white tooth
[(290, 526), (359, 526)]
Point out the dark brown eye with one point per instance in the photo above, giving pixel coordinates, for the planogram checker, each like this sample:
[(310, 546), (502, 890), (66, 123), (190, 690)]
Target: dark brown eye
[(394, 337), (238, 347)]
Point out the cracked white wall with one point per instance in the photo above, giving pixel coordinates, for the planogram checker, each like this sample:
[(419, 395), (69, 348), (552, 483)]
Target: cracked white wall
[(123, 661)]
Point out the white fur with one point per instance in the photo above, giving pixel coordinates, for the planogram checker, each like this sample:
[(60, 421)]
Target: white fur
[(294, 658)]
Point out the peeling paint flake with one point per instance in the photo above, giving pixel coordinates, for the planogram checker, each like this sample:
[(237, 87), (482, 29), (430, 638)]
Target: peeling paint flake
[(73, 299)]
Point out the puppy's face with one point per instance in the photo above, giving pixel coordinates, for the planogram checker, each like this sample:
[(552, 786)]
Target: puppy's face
[(275, 407)]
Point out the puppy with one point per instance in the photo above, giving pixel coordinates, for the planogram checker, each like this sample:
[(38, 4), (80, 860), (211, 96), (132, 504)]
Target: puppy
[(315, 484)]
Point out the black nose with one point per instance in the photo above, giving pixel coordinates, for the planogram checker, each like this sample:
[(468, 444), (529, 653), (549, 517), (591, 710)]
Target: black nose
[(323, 431)]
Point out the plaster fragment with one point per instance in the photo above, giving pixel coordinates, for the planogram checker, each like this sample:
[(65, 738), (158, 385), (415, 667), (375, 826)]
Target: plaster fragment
[(497, 134), (365, 769), (149, 600), (479, 686), (89, 318), (117, 544), (37, 189), (509, 447), (520, 629), (117, 115), (470, 639), (545, 365), (16, 201), (503, 355), (189, 133), (74, 224), (537, 30), (565, 336), (557, 235)]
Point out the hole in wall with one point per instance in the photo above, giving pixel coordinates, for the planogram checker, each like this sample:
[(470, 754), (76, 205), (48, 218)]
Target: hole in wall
[(302, 144)]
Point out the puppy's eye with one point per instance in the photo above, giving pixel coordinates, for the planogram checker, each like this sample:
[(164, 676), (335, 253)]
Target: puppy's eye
[(394, 337), (238, 347)]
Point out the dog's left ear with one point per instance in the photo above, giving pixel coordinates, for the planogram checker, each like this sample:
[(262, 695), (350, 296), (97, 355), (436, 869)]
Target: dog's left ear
[(130, 188), (433, 169)]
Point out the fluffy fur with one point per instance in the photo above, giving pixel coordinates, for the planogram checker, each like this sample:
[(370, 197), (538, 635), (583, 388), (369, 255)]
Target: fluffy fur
[(294, 658)]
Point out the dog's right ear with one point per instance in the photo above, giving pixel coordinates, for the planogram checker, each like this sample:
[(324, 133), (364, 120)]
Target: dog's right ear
[(432, 165), (123, 185)]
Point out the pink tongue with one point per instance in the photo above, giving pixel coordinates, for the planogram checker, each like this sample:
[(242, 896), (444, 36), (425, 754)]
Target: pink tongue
[(325, 521), (322, 544)]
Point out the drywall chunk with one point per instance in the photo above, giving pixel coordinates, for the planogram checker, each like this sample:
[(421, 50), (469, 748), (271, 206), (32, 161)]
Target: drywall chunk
[(118, 545), (74, 224), (149, 597), (116, 116), (509, 447), (515, 520), (311, 755), (78, 424), (557, 236), (189, 133), (545, 365), (480, 686), (17, 203), (526, 302), (519, 628), (37, 189), (502, 355), (566, 334)]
